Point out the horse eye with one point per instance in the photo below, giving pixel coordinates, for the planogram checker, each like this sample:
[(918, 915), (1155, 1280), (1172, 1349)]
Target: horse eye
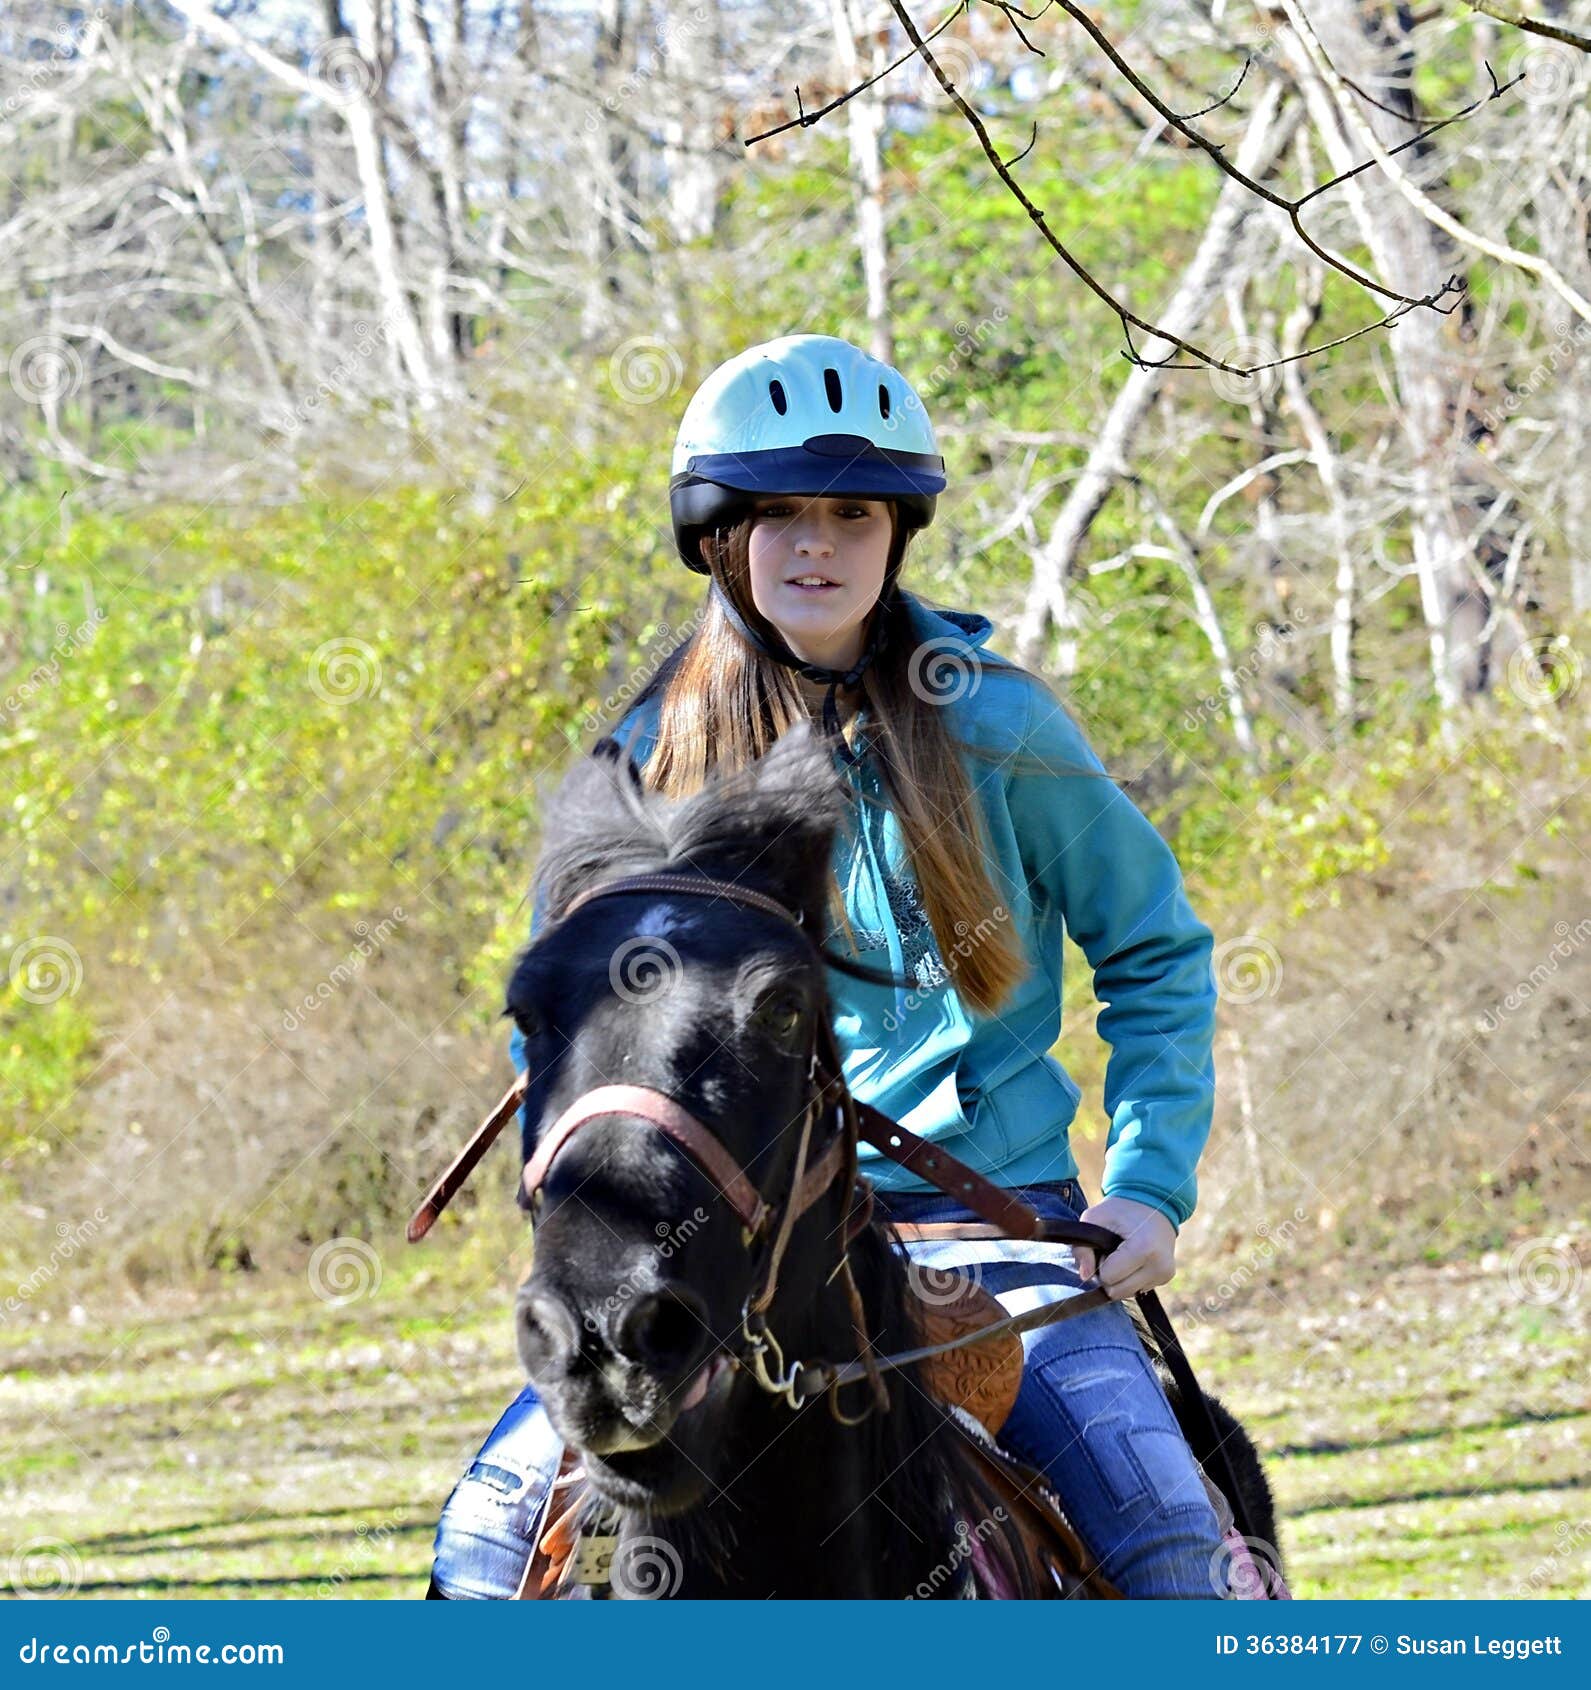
[(525, 1018), (779, 1015)]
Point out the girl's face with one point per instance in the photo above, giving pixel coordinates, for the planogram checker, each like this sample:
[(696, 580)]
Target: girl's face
[(844, 542)]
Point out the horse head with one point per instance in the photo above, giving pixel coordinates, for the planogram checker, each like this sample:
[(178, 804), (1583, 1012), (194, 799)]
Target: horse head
[(629, 1321)]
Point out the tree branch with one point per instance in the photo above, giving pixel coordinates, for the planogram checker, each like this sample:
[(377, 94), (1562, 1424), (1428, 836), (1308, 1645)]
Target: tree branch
[(1422, 203)]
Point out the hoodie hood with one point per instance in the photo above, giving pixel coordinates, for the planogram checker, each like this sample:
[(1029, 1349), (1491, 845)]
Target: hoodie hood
[(968, 627)]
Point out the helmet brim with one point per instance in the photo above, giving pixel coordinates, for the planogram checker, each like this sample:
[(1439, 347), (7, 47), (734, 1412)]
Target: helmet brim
[(714, 489)]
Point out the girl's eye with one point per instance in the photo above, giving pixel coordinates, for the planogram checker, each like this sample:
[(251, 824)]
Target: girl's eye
[(784, 510)]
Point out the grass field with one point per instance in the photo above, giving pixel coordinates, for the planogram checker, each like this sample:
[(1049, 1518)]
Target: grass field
[(1425, 1433)]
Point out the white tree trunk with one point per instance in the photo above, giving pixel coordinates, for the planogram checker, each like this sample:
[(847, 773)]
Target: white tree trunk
[(1405, 251), (865, 113), (1200, 284), (693, 167)]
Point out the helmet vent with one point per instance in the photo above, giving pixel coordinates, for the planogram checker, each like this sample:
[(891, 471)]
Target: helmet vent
[(883, 401), (776, 394), (831, 385)]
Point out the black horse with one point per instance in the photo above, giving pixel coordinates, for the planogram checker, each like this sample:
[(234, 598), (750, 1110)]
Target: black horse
[(633, 1324)]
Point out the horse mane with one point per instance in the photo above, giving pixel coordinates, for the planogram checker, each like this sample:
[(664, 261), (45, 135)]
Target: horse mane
[(769, 826)]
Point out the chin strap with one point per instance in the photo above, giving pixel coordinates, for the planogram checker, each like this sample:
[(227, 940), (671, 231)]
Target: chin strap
[(835, 678)]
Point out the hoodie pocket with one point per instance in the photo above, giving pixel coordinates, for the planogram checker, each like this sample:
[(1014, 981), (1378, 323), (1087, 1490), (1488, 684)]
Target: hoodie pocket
[(1034, 1106)]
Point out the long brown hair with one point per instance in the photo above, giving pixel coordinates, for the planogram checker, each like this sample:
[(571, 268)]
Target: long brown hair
[(725, 703)]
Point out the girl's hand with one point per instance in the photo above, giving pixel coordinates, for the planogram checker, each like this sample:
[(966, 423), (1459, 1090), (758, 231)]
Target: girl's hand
[(1146, 1256)]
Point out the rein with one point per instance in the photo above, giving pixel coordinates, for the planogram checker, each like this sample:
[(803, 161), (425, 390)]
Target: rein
[(768, 1225)]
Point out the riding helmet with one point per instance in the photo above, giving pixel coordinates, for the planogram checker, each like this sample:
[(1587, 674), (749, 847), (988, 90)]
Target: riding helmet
[(806, 414)]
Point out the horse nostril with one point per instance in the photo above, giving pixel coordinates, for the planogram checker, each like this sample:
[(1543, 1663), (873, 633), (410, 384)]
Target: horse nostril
[(547, 1330), (663, 1330)]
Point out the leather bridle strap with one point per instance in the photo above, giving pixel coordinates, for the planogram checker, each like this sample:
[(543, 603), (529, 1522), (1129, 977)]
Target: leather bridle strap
[(820, 1376), (463, 1165), (1097, 1238), (671, 1119), (697, 885), (998, 1206)]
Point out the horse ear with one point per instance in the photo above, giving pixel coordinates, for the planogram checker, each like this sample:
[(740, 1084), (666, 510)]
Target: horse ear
[(609, 750), (799, 804), (595, 817)]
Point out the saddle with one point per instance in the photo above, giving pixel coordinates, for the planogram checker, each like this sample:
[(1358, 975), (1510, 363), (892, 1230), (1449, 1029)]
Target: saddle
[(981, 1379)]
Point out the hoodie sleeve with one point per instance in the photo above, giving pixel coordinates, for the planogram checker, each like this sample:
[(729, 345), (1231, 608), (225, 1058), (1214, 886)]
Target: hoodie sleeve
[(1093, 857)]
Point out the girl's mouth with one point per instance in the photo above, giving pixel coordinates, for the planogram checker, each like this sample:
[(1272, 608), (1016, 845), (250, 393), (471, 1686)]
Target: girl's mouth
[(813, 584)]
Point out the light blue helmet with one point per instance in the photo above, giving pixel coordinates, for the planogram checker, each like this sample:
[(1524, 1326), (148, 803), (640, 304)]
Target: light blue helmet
[(805, 414)]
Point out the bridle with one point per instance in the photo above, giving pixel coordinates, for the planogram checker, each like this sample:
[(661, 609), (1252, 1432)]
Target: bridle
[(766, 1225)]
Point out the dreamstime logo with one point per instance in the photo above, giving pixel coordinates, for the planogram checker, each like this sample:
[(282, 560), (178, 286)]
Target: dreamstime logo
[(969, 337), (645, 1569), (68, 641), (625, 93), (370, 941), (368, 1540), (671, 1235), (944, 670), (1543, 1271), (644, 369), (1246, 351), (1570, 337), (344, 72), (959, 60), (70, 1239), (73, 44), (44, 1566), (343, 1270), (1246, 1568), (963, 1545), (1270, 640), (1246, 968), (290, 419), (666, 636), (45, 370), (938, 1287), (344, 670), (1551, 70), (643, 968), (1569, 940), (1572, 1536), (1273, 1240), (1545, 671), (45, 970)]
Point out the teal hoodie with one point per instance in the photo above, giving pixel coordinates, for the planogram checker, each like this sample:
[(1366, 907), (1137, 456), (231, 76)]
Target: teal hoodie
[(1067, 853)]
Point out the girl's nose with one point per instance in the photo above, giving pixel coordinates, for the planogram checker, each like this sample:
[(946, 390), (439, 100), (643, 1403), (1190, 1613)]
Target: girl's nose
[(814, 539)]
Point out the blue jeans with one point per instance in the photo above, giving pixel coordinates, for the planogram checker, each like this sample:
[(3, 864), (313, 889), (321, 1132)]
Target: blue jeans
[(1090, 1413)]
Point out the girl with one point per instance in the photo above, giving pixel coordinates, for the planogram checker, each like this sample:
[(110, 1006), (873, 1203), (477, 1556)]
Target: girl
[(801, 469)]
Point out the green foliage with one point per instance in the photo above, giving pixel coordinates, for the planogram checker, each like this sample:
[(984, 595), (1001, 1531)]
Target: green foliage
[(231, 741)]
